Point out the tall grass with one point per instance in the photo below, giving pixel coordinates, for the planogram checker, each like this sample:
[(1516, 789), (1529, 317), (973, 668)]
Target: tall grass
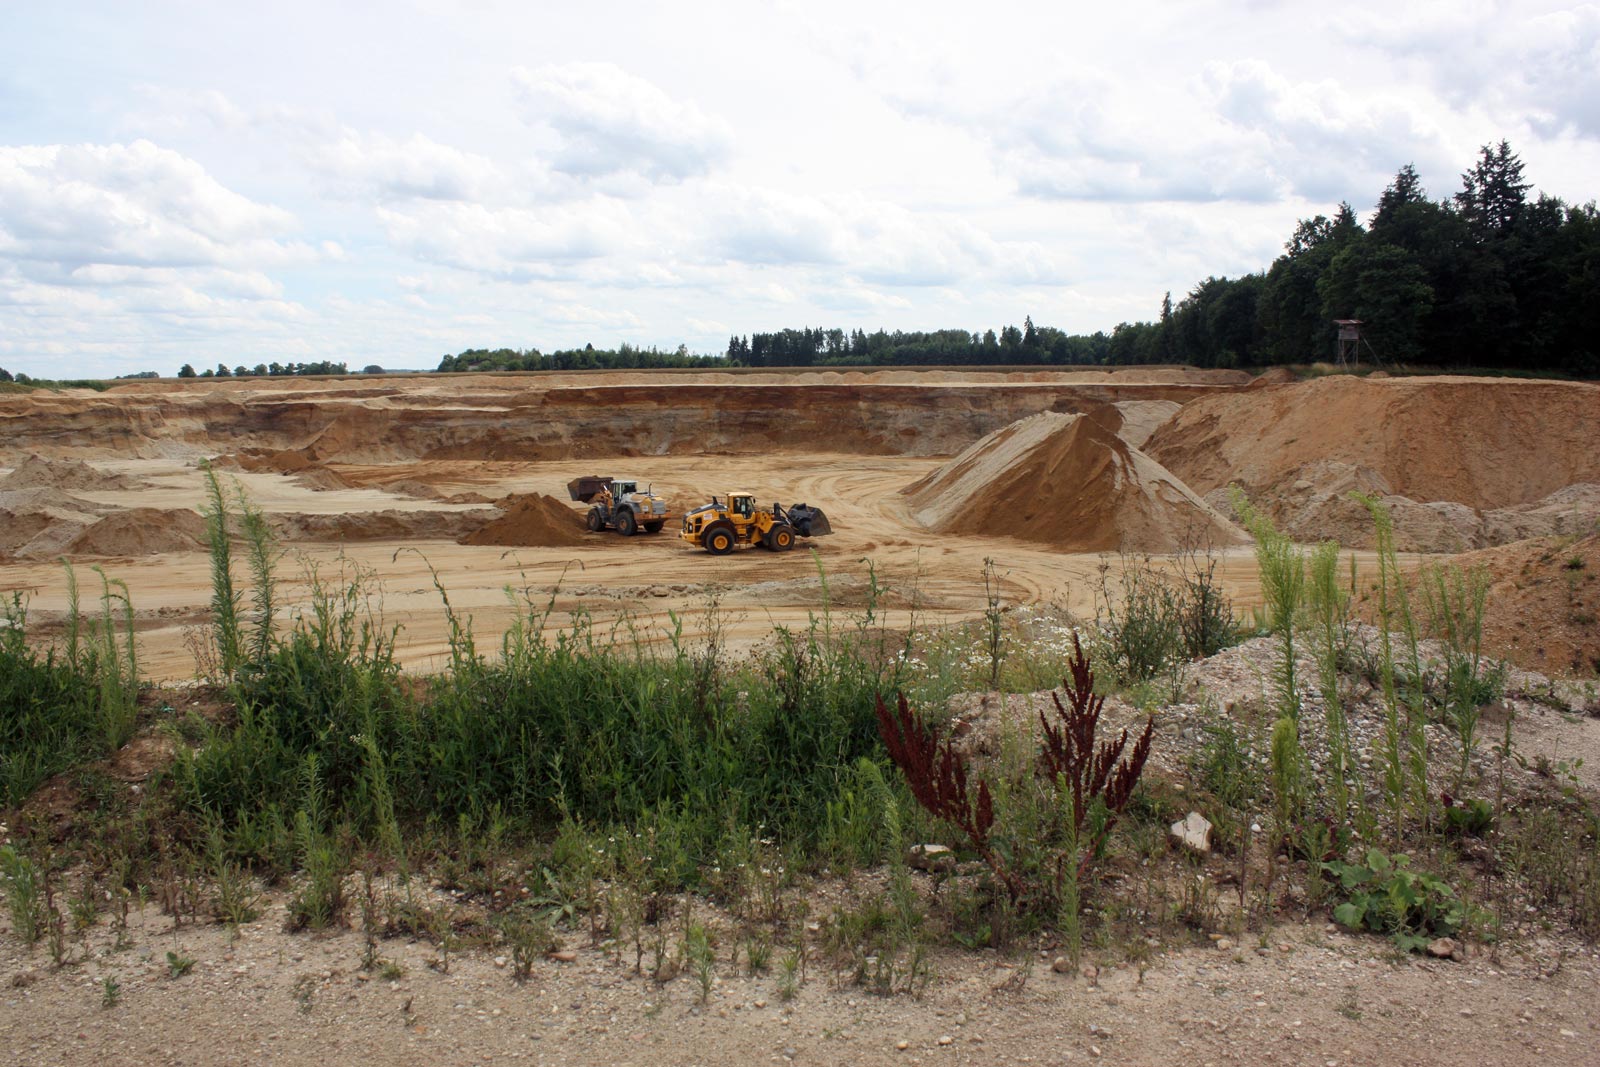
[(60, 708), (598, 727), (324, 725), (1405, 750), (1153, 619), (1456, 601), (225, 597), (1328, 598), (1283, 581)]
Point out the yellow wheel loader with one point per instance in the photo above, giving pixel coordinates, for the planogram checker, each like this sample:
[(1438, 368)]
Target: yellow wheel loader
[(720, 527)]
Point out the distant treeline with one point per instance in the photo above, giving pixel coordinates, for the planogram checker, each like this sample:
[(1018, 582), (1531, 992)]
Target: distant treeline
[(269, 370), (21, 383), (624, 357)]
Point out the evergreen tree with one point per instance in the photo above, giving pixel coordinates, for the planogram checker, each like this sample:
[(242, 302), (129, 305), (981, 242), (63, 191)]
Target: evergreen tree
[(1493, 193)]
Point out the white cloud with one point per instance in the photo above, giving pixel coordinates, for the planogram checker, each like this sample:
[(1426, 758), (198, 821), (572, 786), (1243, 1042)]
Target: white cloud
[(610, 122), (877, 241), (122, 248), (1520, 66), (67, 206), (415, 167), (508, 242), (1316, 136), (1237, 132)]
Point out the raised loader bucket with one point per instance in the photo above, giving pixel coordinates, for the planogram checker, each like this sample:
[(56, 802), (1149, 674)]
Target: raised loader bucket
[(808, 521), (586, 488)]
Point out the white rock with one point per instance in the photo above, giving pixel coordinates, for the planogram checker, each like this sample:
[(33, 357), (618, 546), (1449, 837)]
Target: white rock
[(1193, 832)]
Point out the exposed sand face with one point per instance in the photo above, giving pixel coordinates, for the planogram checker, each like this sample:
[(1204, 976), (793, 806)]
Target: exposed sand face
[(370, 470), (1462, 462)]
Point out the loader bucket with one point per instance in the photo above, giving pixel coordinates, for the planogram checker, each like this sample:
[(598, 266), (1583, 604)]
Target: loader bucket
[(809, 522)]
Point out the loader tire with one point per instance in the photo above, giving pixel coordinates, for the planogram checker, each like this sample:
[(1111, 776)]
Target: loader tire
[(719, 540), (780, 538), (653, 527), (627, 525), (594, 520)]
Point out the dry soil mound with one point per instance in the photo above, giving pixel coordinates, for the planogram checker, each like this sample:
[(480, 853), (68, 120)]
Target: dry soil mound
[(17, 528), (387, 525), (36, 472), (37, 523), (1544, 603), (414, 488), (1069, 482), (140, 532), (534, 519), (284, 461), (1460, 459), (318, 477)]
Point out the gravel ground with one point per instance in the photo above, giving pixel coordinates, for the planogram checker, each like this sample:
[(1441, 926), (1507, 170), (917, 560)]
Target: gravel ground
[(1308, 995)]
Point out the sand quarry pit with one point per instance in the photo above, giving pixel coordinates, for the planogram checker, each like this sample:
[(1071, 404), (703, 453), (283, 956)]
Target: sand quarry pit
[(925, 477), (924, 474)]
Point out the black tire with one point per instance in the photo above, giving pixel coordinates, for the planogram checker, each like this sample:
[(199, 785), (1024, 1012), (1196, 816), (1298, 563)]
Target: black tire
[(653, 527), (804, 529), (718, 540), (627, 525), (781, 537), (594, 520)]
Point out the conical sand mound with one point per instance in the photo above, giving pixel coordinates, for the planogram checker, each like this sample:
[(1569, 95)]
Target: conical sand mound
[(529, 520), (141, 532), (1068, 482)]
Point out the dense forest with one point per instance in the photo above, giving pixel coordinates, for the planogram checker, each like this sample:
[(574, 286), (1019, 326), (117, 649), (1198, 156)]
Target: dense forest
[(1486, 278)]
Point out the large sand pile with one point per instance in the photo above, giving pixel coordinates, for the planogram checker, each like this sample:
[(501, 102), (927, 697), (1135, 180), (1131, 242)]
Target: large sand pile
[(140, 532), (1069, 482), (36, 472), (534, 519), (37, 523), (17, 528), (1544, 603), (48, 531), (1463, 462)]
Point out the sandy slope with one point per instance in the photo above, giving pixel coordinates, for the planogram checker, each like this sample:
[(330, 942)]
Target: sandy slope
[(1069, 482)]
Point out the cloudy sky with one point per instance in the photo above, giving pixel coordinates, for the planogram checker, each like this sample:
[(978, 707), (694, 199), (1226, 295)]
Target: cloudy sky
[(387, 183)]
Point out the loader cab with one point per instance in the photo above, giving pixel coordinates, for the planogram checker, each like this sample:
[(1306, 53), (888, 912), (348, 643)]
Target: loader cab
[(742, 504), (620, 488)]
